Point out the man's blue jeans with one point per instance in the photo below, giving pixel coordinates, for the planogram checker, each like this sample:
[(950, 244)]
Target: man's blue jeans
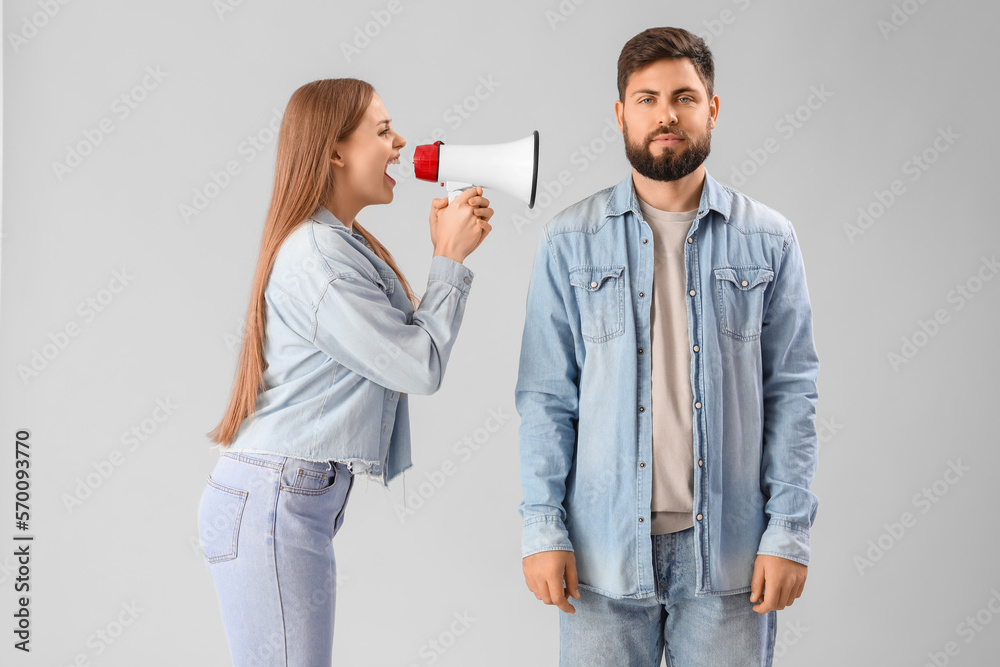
[(716, 631), (266, 524)]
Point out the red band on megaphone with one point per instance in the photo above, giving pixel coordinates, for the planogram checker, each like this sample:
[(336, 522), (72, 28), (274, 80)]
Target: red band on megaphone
[(425, 161)]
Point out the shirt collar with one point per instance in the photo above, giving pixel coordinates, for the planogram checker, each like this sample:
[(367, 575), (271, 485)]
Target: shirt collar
[(323, 215), (713, 196)]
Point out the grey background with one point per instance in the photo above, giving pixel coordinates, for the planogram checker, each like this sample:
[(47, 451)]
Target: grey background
[(887, 433)]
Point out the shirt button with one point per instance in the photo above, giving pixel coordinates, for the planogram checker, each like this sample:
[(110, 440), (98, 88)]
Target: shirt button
[(645, 241), (692, 292), (593, 284), (642, 464), (744, 283), (642, 294), (689, 240), (700, 462), (640, 350), (696, 348), (698, 517), (697, 404), (642, 409), (641, 520), (467, 280)]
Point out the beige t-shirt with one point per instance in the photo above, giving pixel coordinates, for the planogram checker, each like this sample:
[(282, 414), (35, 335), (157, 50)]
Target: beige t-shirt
[(670, 359)]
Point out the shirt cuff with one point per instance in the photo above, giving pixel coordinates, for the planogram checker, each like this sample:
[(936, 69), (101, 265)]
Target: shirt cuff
[(787, 540), (544, 533), (454, 273)]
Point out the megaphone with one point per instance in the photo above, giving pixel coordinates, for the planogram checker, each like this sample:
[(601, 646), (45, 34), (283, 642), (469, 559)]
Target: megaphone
[(510, 167)]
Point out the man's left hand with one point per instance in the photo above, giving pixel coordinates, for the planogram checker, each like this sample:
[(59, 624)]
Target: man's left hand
[(784, 581)]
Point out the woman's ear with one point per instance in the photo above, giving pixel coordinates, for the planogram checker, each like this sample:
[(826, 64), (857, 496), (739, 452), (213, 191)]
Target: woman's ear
[(336, 159)]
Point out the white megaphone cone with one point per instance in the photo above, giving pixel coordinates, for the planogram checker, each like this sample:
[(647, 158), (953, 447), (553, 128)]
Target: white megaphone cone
[(510, 167)]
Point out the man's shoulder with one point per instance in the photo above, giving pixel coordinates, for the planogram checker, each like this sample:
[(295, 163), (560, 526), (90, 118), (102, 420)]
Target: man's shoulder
[(587, 215), (751, 216)]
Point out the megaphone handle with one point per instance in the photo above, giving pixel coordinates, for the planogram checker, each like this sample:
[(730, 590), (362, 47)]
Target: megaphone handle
[(455, 188)]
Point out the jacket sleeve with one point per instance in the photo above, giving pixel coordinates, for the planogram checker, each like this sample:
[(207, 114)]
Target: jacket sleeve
[(357, 326), (790, 449), (546, 400)]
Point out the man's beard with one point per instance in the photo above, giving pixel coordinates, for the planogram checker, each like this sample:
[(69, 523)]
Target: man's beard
[(671, 165)]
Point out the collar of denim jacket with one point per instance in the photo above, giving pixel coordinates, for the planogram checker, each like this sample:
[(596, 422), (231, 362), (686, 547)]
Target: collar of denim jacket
[(714, 196), (323, 215)]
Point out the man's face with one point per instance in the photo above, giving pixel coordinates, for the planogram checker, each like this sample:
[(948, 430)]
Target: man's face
[(667, 119)]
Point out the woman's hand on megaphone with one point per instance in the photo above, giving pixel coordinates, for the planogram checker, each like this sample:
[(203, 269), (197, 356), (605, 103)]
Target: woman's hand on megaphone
[(459, 227)]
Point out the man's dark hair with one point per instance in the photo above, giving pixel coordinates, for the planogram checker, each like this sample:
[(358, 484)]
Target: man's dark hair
[(655, 44)]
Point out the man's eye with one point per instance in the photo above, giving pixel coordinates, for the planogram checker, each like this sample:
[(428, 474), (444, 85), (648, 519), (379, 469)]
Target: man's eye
[(645, 99), (686, 98), (383, 131)]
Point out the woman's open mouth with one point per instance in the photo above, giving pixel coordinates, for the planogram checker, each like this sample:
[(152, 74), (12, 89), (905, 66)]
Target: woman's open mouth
[(394, 160)]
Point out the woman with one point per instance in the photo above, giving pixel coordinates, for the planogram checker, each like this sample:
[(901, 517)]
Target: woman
[(332, 347)]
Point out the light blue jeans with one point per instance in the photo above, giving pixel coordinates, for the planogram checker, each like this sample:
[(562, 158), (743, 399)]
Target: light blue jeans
[(716, 631), (266, 524)]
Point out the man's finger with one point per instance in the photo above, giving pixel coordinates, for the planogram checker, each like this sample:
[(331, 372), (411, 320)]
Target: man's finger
[(572, 580), (757, 582), (772, 598), (557, 595)]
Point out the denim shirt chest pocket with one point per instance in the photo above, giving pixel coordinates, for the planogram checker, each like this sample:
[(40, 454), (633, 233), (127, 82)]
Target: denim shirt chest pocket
[(740, 299), (600, 296)]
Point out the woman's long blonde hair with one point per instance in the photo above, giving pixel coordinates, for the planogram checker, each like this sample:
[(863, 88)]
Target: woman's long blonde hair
[(318, 114)]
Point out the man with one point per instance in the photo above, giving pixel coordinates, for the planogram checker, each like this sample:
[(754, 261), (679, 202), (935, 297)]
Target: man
[(667, 391)]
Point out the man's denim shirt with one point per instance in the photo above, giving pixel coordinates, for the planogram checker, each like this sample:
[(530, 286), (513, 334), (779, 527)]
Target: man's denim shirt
[(344, 347), (583, 391)]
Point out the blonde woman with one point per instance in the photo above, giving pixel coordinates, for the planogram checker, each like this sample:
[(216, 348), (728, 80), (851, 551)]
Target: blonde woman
[(332, 347)]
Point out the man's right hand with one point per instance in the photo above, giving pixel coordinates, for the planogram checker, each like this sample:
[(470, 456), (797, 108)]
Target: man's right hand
[(544, 573)]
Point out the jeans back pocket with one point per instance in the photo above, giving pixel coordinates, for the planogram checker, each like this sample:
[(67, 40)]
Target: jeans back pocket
[(600, 296), (219, 517), (740, 295)]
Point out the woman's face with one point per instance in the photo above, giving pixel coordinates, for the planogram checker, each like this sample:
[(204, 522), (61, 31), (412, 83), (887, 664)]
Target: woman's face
[(361, 160)]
